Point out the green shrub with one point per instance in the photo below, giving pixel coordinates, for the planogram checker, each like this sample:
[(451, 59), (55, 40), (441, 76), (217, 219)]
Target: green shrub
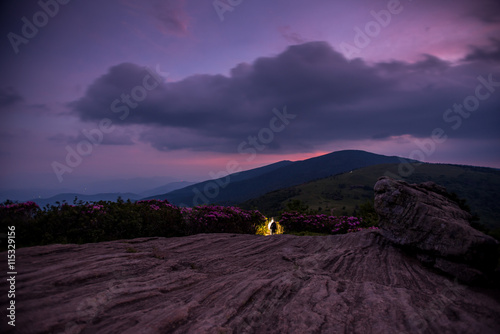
[(105, 221)]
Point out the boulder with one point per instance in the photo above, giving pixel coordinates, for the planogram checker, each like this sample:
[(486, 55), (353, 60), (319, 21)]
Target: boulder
[(424, 218)]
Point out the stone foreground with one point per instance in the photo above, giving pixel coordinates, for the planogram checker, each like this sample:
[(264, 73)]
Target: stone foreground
[(226, 283)]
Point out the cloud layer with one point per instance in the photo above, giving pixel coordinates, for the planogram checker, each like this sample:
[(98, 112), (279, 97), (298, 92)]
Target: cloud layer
[(332, 98)]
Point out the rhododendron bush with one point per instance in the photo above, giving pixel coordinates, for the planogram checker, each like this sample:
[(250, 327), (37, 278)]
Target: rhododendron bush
[(105, 221), (298, 222), (220, 219)]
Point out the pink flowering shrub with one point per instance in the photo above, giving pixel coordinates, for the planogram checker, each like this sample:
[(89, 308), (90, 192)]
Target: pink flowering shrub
[(160, 218), (20, 215), (15, 212), (299, 222), (220, 219), (105, 221)]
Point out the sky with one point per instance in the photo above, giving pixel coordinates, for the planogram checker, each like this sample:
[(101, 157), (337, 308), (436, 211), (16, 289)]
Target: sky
[(171, 90)]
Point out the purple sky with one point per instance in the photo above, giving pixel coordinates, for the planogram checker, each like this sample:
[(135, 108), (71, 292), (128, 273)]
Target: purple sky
[(168, 89)]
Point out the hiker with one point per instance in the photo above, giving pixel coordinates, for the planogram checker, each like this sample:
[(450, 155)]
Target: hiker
[(273, 227)]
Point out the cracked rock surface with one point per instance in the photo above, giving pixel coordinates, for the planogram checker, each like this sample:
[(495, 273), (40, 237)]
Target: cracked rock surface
[(227, 283)]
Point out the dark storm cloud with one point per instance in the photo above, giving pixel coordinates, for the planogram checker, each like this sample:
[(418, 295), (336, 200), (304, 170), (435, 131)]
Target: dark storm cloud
[(9, 96), (332, 98), (108, 139), (487, 11), (491, 53)]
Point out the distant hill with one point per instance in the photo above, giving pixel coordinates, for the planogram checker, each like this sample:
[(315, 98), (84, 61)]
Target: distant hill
[(24, 195), (344, 193), (166, 188), (256, 182), (143, 186), (186, 195), (69, 197)]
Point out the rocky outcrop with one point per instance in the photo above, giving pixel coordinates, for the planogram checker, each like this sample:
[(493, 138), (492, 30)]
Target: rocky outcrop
[(227, 283), (424, 219)]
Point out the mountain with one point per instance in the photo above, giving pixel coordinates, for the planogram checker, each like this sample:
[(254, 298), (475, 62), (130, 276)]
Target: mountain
[(139, 185), (185, 195), (166, 188), (135, 185), (51, 197), (69, 198), (243, 186), (24, 195), (343, 194)]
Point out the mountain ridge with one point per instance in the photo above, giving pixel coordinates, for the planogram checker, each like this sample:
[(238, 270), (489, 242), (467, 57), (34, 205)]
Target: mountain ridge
[(275, 176)]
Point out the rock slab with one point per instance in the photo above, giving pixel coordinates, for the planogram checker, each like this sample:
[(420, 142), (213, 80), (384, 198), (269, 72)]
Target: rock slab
[(227, 283), (425, 219)]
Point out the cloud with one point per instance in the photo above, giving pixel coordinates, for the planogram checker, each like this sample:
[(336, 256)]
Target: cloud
[(332, 98), (9, 96), (114, 138), (291, 37), (491, 53), (487, 11)]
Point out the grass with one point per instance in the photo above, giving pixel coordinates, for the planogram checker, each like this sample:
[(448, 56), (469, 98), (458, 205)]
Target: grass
[(343, 194)]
